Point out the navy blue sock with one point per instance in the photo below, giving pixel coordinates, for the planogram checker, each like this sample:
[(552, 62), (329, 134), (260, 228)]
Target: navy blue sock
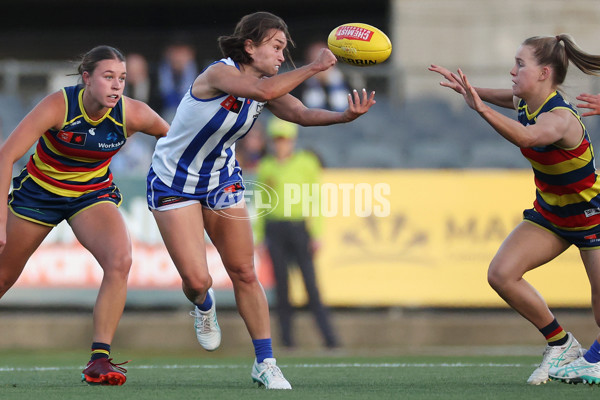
[(593, 354), (100, 350), (263, 349), (208, 302)]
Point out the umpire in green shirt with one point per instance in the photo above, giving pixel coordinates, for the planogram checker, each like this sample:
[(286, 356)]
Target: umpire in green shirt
[(291, 238)]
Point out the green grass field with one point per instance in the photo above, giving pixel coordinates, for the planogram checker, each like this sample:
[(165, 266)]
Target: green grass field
[(50, 376)]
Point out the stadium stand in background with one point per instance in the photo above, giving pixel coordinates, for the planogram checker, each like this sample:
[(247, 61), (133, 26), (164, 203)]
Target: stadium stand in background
[(425, 132)]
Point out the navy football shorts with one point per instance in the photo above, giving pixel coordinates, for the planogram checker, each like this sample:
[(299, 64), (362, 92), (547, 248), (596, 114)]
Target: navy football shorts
[(161, 197), (30, 201), (584, 239)]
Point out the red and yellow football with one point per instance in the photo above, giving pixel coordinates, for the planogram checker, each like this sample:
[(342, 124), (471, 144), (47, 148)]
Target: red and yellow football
[(359, 44)]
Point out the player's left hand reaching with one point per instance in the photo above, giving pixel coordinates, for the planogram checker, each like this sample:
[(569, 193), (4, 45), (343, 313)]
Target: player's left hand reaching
[(358, 104), (470, 94), (450, 81), (460, 84)]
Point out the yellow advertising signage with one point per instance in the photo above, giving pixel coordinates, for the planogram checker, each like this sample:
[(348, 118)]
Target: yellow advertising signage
[(433, 245), (421, 238)]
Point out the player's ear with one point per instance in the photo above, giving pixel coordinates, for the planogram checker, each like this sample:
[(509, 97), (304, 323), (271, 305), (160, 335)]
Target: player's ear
[(249, 46), (545, 74), (85, 76)]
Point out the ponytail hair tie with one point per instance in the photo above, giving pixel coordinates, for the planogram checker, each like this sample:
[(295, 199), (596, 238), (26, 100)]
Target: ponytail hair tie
[(558, 38)]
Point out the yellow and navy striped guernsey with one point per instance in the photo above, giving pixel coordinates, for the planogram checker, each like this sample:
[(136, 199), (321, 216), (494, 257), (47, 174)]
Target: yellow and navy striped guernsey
[(568, 190), (74, 160)]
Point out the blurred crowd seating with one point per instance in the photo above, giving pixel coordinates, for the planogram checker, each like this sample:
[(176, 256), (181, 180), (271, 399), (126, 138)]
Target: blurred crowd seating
[(419, 133), (423, 132)]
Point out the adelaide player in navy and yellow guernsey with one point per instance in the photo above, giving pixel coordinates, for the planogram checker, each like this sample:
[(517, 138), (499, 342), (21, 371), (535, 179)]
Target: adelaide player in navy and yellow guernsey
[(568, 191), (566, 211), (78, 129), (72, 162)]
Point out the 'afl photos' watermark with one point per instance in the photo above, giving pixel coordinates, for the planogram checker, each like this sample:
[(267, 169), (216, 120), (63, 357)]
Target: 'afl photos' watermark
[(308, 200)]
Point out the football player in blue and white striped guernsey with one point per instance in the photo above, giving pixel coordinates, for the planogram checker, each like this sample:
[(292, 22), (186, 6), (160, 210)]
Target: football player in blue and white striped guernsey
[(195, 183)]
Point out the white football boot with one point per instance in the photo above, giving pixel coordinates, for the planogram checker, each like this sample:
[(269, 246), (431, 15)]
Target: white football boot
[(578, 371), (268, 374), (208, 331), (556, 356)]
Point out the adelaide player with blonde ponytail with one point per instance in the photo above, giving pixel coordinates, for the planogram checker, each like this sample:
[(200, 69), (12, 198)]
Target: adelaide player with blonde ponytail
[(551, 135)]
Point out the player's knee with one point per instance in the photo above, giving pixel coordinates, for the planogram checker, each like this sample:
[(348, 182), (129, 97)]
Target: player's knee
[(118, 264), (496, 278), (243, 273), (196, 284)]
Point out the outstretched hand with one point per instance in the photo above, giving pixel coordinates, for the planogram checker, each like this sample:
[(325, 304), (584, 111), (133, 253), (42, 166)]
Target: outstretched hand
[(460, 84), (358, 104), (450, 81), (592, 102)]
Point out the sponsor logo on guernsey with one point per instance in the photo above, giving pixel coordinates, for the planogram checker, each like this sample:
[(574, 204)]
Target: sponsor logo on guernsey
[(72, 137), (92, 131), (590, 212), (353, 33), (111, 146), (111, 137), (232, 104)]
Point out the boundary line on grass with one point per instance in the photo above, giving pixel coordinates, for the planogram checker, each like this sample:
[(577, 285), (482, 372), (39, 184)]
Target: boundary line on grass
[(330, 365)]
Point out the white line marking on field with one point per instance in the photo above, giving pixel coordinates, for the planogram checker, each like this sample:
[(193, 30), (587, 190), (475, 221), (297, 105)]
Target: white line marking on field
[(336, 365)]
